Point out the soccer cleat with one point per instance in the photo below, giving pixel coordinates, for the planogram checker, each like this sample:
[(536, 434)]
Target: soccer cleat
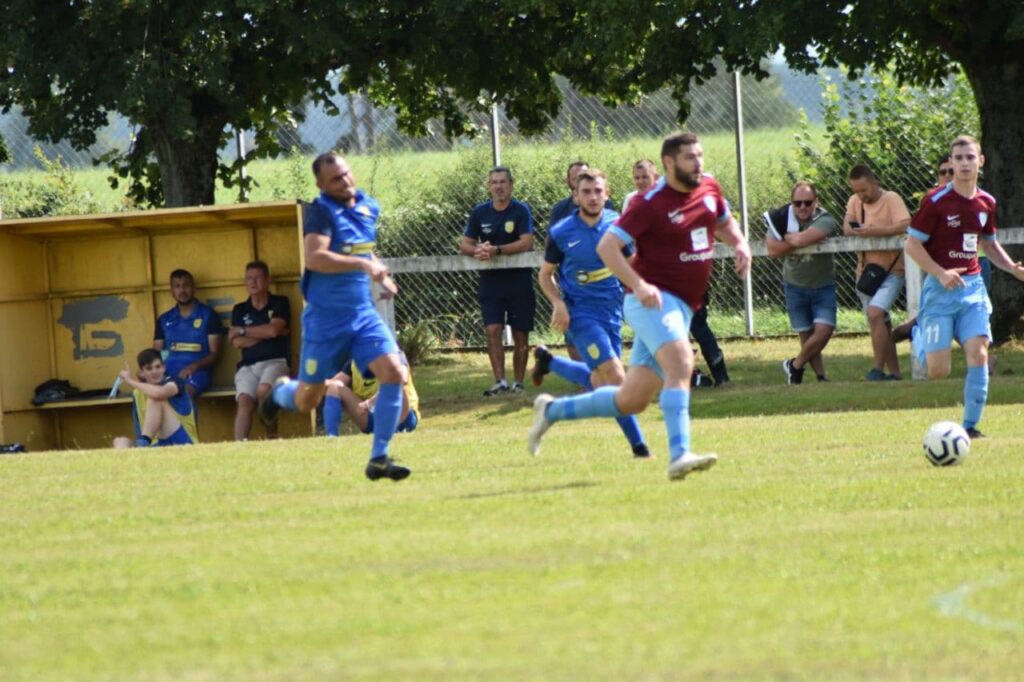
[(641, 451), (498, 387), (902, 332), (385, 467), (822, 378), (541, 423), (875, 375), (12, 448), (541, 365), (793, 375), (267, 409), (517, 387), (974, 434), (689, 463)]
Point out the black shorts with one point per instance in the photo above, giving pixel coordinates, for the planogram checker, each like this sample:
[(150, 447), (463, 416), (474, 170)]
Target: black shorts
[(516, 309)]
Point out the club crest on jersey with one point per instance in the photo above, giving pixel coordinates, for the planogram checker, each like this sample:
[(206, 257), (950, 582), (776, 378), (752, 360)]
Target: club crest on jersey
[(709, 201), (953, 220), (676, 216), (365, 210), (983, 217), (510, 227), (196, 324)]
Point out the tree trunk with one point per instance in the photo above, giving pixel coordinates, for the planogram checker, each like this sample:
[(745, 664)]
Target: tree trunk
[(188, 167), (998, 84)]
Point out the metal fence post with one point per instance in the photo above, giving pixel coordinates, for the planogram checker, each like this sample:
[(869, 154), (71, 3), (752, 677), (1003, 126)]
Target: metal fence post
[(741, 177)]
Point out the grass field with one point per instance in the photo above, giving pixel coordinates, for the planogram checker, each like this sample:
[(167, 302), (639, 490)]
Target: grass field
[(822, 546)]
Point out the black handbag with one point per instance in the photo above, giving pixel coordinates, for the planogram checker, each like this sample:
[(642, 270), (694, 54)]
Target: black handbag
[(872, 276)]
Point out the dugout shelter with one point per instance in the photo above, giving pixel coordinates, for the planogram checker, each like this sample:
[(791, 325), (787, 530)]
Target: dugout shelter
[(80, 295)]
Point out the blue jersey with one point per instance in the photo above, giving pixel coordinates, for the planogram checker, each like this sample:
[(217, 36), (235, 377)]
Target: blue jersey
[(588, 286), (187, 339), (353, 232)]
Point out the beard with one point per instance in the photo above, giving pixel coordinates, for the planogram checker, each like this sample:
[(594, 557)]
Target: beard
[(687, 180)]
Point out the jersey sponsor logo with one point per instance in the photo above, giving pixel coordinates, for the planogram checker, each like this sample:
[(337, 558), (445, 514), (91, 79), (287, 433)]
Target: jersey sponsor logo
[(953, 220), (960, 255), (699, 239), (182, 347), (983, 217), (510, 227), (692, 257), (676, 216), (572, 244)]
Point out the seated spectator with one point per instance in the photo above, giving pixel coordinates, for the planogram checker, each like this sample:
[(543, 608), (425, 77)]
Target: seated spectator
[(809, 279), (259, 328), (161, 407), (356, 394), (645, 176), (191, 333)]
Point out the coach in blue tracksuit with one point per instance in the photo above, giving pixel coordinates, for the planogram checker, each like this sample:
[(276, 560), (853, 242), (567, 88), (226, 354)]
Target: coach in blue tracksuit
[(340, 320), (586, 299)]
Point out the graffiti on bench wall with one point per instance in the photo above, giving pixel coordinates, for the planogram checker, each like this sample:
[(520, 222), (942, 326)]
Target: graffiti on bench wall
[(85, 319)]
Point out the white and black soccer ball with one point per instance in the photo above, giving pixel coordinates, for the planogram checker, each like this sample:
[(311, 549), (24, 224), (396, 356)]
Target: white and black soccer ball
[(946, 443)]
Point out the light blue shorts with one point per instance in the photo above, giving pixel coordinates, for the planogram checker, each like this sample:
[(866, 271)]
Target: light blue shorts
[(654, 327), (945, 314), (886, 295), (598, 342), (807, 307)]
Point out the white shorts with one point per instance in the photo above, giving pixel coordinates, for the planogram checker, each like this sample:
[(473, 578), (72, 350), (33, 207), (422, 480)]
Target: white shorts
[(249, 377)]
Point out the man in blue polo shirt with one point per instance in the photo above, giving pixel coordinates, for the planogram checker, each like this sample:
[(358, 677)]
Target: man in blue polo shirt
[(191, 333), (340, 321), (496, 228), (586, 300)]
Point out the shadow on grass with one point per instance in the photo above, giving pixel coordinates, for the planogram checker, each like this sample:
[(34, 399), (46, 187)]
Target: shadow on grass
[(527, 491)]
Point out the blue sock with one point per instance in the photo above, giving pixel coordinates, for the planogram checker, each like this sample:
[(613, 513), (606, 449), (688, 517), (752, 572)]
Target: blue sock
[(571, 370), (631, 427), (675, 403), (284, 394), (385, 418), (598, 403), (332, 415), (975, 395)]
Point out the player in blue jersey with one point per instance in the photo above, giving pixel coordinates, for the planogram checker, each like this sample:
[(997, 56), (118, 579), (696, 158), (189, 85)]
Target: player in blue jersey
[(586, 299), (190, 334), (944, 239), (340, 320)]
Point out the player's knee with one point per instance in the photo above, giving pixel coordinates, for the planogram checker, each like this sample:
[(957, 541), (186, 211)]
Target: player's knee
[(938, 370)]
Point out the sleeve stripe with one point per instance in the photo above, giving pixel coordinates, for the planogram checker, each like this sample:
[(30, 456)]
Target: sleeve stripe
[(626, 238), (918, 234)]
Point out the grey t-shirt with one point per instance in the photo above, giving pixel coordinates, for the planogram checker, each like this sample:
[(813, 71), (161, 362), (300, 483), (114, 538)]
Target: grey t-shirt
[(812, 270)]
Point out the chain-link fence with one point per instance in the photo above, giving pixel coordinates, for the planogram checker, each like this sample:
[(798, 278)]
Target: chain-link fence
[(795, 127)]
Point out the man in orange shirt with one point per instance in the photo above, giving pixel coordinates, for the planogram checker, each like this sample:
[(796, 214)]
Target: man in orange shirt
[(875, 212)]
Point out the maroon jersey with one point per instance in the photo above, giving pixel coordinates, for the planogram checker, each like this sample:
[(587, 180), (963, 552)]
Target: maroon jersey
[(674, 235), (950, 226)]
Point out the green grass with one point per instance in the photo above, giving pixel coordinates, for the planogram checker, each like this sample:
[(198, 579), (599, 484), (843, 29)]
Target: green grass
[(822, 546)]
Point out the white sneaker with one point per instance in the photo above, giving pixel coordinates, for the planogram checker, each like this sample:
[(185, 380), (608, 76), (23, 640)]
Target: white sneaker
[(540, 422), (688, 463)]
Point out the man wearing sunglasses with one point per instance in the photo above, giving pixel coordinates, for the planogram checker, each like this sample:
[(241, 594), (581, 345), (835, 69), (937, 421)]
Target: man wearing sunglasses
[(809, 279), (876, 212)]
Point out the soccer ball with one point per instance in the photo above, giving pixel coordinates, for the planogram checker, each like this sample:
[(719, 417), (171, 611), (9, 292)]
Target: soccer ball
[(946, 443)]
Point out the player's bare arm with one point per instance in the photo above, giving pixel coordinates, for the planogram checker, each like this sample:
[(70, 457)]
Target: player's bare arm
[(549, 285), (997, 255), (949, 279), (610, 250), (729, 232)]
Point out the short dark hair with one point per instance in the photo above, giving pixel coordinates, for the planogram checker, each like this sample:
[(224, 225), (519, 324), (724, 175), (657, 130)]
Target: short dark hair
[(574, 164), (501, 169), (863, 171), (148, 357), (591, 175), (258, 265), (322, 160), (803, 183), (942, 159), (182, 274), (672, 143)]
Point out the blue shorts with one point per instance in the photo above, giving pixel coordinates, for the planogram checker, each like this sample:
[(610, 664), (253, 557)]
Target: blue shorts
[(945, 314), (886, 295), (808, 307), (515, 309), (201, 379), (654, 327), (411, 421), (363, 339), (597, 341), (179, 437)]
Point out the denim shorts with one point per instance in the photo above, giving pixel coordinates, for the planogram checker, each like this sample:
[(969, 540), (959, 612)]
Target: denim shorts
[(808, 307), (886, 294)]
